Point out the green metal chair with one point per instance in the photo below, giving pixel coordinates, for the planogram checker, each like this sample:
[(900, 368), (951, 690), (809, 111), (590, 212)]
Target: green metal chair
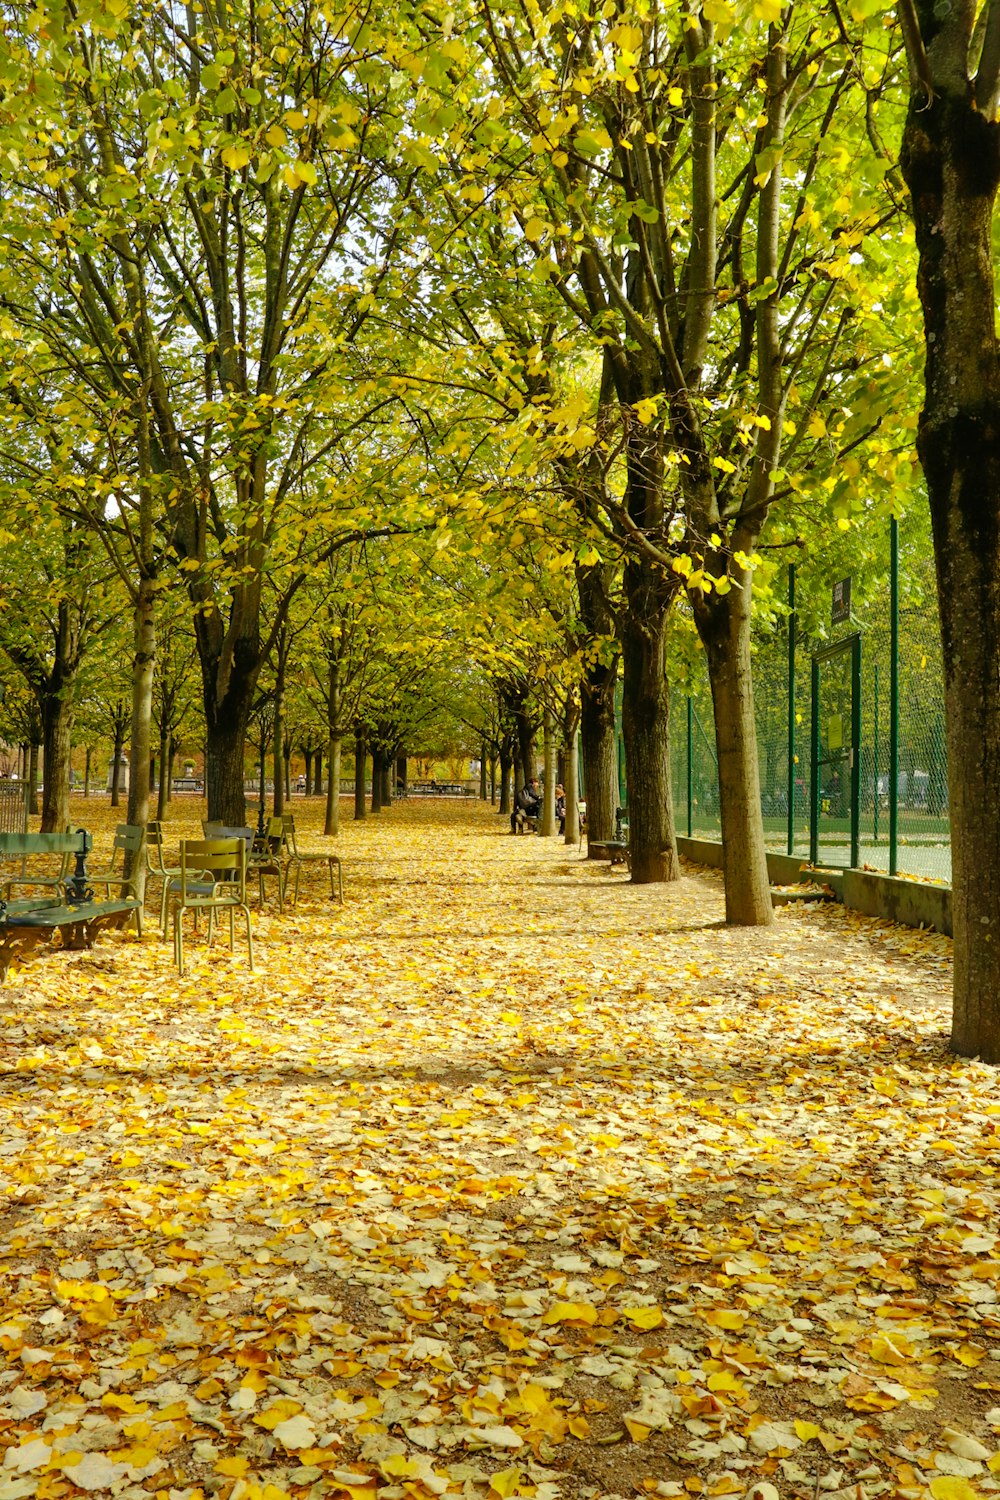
[(130, 839), (157, 869), (214, 879), (263, 854), (295, 861)]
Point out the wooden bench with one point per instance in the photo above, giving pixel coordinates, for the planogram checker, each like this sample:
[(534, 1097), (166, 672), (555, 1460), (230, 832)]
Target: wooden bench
[(32, 921)]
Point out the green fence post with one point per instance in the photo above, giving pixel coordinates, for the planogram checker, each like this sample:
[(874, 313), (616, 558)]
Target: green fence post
[(878, 798), (791, 708), (814, 774), (855, 752), (690, 763), (893, 692)]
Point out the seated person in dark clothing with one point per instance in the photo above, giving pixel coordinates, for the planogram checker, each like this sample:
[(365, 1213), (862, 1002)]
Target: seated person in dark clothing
[(527, 806), (561, 808)]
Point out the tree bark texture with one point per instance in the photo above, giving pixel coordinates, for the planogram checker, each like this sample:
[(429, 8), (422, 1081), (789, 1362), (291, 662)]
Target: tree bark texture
[(140, 741), (57, 732), (951, 161), (571, 829), (506, 763), (359, 776), (547, 823), (332, 824), (724, 626), (118, 745), (646, 731)]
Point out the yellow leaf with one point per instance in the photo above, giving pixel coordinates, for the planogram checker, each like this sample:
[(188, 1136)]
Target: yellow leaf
[(727, 1317), (644, 1317), (806, 1431), (233, 1468), (279, 1412), (891, 1351), (236, 156), (950, 1487), (570, 1312), (534, 229), (579, 1427), (637, 1432), (505, 1483)]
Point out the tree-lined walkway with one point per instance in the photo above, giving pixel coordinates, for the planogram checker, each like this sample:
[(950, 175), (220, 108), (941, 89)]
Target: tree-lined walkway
[(507, 1173)]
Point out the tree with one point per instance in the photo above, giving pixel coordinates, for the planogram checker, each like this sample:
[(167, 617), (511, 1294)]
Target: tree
[(180, 231), (690, 237), (951, 162)]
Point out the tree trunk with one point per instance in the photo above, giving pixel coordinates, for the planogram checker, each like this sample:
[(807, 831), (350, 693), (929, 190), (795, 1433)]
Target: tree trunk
[(723, 622), (279, 741), (286, 764), (571, 829), (171, 759), (386, 781), (506, 761), (547, 823), (332, 824), (116, 766), (951, 161), (526, 767), (140, 732), (86, 772), (163, 790), (57, 732), (482, 773), (376, 802), (402, 774), (600, 750), (33, 779), (646, 729), (225, 748), (307, 778), (359, 776)]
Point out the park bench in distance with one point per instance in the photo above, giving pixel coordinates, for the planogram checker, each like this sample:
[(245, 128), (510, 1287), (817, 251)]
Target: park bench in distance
[(33, 920)]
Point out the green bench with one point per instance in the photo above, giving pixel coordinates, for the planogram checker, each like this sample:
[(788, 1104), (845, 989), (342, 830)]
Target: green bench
[(616, 849), (31, 921)]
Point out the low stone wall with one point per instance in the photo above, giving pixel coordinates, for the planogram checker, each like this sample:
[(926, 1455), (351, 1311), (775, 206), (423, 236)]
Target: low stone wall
[(910, 902)]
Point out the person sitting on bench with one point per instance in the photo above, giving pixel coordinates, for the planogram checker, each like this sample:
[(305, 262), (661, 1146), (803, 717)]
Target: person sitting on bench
[(527, 806)]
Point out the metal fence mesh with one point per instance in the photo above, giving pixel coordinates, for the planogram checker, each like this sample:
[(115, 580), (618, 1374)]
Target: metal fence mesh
[(923, 846)]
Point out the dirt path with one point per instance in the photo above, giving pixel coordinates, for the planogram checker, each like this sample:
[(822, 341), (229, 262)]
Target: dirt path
[(509, 1179)]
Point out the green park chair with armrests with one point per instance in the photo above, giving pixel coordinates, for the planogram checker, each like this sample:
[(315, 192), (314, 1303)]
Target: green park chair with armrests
[(214, 879), (130, 840), (297, 860)]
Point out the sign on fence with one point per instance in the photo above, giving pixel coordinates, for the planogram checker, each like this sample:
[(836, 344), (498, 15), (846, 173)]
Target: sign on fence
[(840, 614)]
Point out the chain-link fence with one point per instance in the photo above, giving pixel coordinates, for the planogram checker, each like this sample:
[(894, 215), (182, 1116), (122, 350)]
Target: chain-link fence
[(812, 700)]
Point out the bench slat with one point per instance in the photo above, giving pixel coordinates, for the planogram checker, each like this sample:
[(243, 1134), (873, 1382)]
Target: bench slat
[(22, 844), (68, 916)]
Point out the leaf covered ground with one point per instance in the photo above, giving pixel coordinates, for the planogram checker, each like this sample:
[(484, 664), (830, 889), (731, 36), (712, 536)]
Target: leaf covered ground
[(507, 1179)]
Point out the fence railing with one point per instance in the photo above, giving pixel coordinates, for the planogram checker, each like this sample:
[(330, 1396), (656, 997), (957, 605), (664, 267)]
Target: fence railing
[(13, 806)]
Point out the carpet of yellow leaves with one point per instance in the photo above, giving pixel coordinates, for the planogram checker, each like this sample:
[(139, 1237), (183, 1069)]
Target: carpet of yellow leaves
[(506, 1179)]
